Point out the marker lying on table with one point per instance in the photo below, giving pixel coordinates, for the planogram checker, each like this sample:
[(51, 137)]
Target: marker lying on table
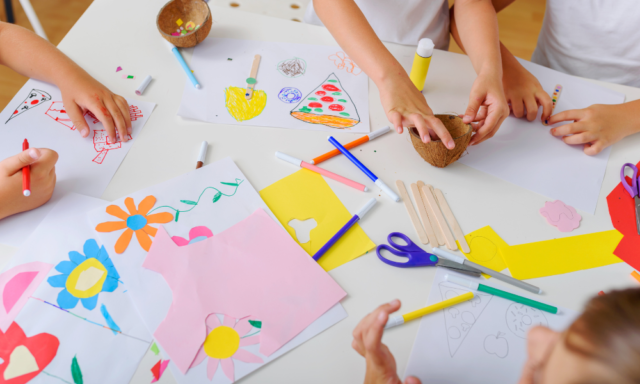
[(26, 173), (352, 144), (311, 167), (359, 215), (490, 272), (499, 292), (396, 320), (184, 65), (202, 155), (364, 169)]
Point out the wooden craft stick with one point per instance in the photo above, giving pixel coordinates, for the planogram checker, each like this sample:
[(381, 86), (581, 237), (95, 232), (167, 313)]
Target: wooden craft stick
[(432, 218), (422, 211), (448, 214), (415, 221), (442, 223), (251, 81)]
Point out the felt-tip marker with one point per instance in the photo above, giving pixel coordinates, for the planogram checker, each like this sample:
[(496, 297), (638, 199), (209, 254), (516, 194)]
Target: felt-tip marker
[(183, 64)]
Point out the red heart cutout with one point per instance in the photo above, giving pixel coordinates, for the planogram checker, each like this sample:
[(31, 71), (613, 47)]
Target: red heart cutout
[(623, 218), (42, 346)]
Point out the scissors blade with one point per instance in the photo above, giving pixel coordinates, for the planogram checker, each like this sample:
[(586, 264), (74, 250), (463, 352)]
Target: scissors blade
[(458, 267), (636, 201)]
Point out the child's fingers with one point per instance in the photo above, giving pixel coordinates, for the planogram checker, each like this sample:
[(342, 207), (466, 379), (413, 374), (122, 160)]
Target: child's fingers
[(14, 164), (421, 126), (77, 117), (436, 125), (547, 105), (580, 138), (572, 114), (124, 110), (358, 347), (594, 149), (531, 105), (475, 101), (569, 129), (412, 380), (103, 115), (117, 118), (43, 167), (372, 336), (395, 118), (489, 128), (517, 106)]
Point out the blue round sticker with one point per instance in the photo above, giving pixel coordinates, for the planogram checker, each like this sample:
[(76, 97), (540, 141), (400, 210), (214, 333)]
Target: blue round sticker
[(290, 95)]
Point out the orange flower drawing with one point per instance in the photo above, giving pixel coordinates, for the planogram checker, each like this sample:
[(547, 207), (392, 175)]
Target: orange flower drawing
[(135, 221)]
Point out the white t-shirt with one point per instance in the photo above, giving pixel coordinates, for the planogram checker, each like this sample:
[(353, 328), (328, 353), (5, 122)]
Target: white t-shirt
[(402, 21), (597, 39)]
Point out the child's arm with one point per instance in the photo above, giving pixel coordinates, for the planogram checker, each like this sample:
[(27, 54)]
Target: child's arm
[(32, 56), (522, 89), (367, 341), (403, 103), (43, 180), (598, 126)]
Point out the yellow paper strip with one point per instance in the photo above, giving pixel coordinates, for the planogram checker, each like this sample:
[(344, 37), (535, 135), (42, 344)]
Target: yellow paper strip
[(485, 247), (569, 254), (306, 195)]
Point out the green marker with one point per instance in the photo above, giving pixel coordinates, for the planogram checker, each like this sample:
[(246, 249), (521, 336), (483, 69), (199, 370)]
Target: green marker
[(500, 293)]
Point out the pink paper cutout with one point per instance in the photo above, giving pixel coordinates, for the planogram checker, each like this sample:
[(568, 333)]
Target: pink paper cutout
[(162, 365), (118, 69), (561, 216), (16, 285), (252, 269), (195, 234)]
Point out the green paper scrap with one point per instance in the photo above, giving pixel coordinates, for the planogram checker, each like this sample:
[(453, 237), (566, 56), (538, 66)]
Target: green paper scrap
[(154, 348), (76, 373), (256, 323)]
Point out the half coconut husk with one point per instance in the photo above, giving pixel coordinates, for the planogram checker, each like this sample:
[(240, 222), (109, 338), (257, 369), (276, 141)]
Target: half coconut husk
[(434, 152)]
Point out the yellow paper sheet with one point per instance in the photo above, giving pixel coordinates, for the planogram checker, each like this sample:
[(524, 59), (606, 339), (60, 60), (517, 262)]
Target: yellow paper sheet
[(485, 247), (305, 195), (569, 254)]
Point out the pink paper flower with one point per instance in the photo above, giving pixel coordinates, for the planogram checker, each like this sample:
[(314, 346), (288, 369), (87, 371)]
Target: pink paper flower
[(224, 344), (195, 234), (561, 216)]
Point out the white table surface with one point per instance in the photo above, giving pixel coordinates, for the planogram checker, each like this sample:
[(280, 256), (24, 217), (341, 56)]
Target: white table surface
[(115, 33)]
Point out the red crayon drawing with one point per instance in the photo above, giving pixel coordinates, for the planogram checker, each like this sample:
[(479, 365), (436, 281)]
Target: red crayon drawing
[(56, 112), (134, 112), (101, 145)]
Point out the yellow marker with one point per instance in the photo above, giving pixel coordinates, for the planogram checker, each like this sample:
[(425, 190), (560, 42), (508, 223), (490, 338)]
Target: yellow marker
[(401, 319), (421, 63)]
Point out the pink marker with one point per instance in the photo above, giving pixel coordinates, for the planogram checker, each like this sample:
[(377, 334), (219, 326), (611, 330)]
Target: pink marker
[(321, 171)]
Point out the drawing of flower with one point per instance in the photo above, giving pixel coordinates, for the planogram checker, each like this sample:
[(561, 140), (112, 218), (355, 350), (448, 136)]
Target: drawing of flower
[(224, 344), (85, 276), (136, 221), (195, 234)]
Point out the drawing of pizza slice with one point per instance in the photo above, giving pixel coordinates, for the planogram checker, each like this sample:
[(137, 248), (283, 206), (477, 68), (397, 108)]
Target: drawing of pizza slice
[(329, 104), (35, 98)]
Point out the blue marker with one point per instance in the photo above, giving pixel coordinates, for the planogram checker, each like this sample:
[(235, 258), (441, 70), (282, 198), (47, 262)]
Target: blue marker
[(363, 211), (184, 65), (364, 169)]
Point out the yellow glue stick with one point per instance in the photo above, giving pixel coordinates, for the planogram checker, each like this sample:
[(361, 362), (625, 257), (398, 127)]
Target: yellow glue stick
[(421, 63)]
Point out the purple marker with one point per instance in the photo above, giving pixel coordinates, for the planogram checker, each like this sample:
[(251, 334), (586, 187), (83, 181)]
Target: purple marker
[(359, 215)]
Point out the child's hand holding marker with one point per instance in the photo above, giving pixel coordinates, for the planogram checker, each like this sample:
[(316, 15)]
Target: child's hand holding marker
[(598, 126)]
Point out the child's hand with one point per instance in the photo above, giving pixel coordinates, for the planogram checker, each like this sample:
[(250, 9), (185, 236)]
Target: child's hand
[(367, 341), (82, 92), (486, 92), (43, 180), (523, 91), (598, 126), (406, 107)]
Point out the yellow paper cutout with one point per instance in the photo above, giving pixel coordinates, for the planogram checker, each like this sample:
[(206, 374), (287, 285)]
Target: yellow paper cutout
[(21, 362), (242, 109), (90, 275), (222, 342), (485, 247), (179, 22), (305, 195), (564, 255)]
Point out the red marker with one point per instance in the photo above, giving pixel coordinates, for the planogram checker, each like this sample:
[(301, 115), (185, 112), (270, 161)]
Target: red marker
[(26, 173)]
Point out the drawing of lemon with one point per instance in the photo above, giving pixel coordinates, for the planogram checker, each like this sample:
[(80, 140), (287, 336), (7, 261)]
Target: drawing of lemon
[(242, 109)]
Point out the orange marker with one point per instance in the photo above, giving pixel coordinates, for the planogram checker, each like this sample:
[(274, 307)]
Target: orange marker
[(26, 173), (636, 275), (350, 145)]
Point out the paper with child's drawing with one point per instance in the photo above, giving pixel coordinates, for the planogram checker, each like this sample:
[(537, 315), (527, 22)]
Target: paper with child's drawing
[(525, 153), (202, 205), (85, 165), (78, 309), (305, 197), (479, 341), (298, 86)]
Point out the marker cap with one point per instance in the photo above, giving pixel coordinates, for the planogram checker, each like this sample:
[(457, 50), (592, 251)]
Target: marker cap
[(394, 321), (287, 158), (379, 132), (363, 211), (387, 190), (447, 255), (143, 85), (462, 282)]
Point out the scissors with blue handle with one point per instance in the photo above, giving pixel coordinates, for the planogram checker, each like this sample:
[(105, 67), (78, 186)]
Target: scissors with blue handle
[(417, 257), (633, 189)]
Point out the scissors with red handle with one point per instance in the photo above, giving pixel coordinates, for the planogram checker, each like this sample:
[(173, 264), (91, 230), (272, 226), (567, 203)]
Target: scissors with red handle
[(633, 190)]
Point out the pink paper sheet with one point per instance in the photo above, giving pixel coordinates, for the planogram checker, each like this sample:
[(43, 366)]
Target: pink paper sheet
[(16, 285), (252, 269)]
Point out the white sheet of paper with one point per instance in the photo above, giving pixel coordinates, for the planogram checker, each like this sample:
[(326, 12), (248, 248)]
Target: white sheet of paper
[(85, 165), (222, 63), (481, 341), (151, 294), (103, 357), (525, 153)]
